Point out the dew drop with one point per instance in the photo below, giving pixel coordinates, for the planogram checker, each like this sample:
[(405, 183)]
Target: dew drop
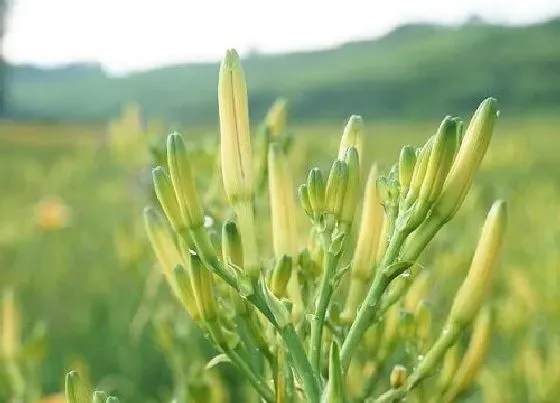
[(208, 221)]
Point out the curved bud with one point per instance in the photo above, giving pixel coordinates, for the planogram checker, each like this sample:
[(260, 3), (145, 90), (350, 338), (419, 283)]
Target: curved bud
[(232, 249), (316, 192), (472, 292), (473, 148), (460, 131), (407, 161), (419, 172), (167, 199), (280, 276), (451, 361), (201, 282), (235, 142), (185, 293), (303, 196), (398, 377), (275, 119), (353, 188), (352, 136), (75, 389), (162, 242), (336, 188), (181, 174)]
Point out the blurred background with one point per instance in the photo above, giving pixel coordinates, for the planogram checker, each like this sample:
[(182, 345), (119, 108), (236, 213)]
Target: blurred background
[(88, 88)]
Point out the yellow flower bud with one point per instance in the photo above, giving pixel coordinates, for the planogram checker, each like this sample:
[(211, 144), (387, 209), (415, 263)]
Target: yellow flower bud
[(419, 172), (75, 389), (167, 199), (181, 174), (316, 192), (352, 136), (471, 294), (201, 282), (185, 293), (232, 250), (303, 197), (353, 188), (276, 117), (473, 357), (407, 161), (162, 243), (235, 142), (398, 377), (451, 361), (336, 188), (280, 276), (473, 148), (11, 325)]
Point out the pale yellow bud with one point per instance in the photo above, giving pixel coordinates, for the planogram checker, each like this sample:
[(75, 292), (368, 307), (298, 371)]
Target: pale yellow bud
[(276, 117), (398, 377), (11, 325), (235, 142), (472, 292), (451, 361), (185, 293), (201, 282), (353, 188), (419, 172), (353, 136)]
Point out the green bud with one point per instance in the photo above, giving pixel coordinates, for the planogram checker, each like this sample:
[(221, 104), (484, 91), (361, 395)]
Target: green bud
[(353, 189), (316, 192), (460, 131), (280, 276), (232, 249), (334, 392), (276, 117), (419, 172), (407, 161), (185, 292), (279, 309), (303, 196), (201, 280), (112, 399), (182, 178), (336, 188), (473, 148), (166, 197), (75, 390), (353, 136), (99, 397)]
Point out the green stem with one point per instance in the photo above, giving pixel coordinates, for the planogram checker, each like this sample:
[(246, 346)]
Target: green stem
[(325, 293), (301, 364), (367, 311), (257, 382)]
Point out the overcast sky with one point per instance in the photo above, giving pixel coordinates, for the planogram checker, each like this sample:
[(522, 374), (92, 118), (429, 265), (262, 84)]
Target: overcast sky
[(126, 35)]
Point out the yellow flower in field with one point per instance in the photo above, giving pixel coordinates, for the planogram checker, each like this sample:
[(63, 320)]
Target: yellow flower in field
[(51, 213)]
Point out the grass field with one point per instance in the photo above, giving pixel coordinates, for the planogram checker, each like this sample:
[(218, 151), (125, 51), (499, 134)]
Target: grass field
[(86, 272)]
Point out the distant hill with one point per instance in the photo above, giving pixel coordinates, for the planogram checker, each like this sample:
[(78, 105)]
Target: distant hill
[(416, 70)]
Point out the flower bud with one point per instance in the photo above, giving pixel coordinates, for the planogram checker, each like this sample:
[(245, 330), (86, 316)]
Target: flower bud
[(473, 148), (316, 192), (181, 174), (112, 399), (407, 161), (235, 142), (353, 188), (353, 136), (460, 131), (471, 294), (10, 328), (232, 249), (398, 377), (201, 282), (75, 389), (419, 172), (99, 397), (303, 196), (336, 188), (280, 276), (423, 324), (167, 199), (279, 309), (185, 293), (451, 361), (162, 243), (276, 117)]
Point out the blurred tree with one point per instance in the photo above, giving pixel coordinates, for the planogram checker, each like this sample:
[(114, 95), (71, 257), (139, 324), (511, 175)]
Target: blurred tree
[(4, 13)]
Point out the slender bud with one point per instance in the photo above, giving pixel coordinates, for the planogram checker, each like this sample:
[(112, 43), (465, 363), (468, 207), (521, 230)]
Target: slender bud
[(336, 188), (417, 291), (471, 295), (201, 281), (419, 172), (451, 361), (162, 243), (99, 397), (10, 328), (75, 389), (232, 249), (353, 136), (334, 392), (276, 117), (316, 192), (423, 325), (352, 190), (398, 377), (407, 161), (167, 199), (280, 276), (460, 131), (473, 357), (235, 142), (182, 178), (473, 148), (185, 293), (303, 196)]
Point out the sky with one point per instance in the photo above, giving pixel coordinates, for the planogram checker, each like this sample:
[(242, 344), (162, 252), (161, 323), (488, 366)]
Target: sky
[(131, 35)]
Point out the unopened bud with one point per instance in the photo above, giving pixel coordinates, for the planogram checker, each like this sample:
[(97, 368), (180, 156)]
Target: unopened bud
[(75, 389), (185, 293), (99, 397), (167, 199), (201, 281), (335, 390), (353, 188), (353, 136), (276, 117), (471, 295), (398, 377), (232, 249), (460, 131), (336, 188), (473, 148), (419, 172), (280, 276), (112, 399), (235, 142), (303, 196), (316, 192), (182, 178), (407, 161)]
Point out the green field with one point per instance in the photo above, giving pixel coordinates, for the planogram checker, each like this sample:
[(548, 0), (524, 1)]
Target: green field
[(91, 280)]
